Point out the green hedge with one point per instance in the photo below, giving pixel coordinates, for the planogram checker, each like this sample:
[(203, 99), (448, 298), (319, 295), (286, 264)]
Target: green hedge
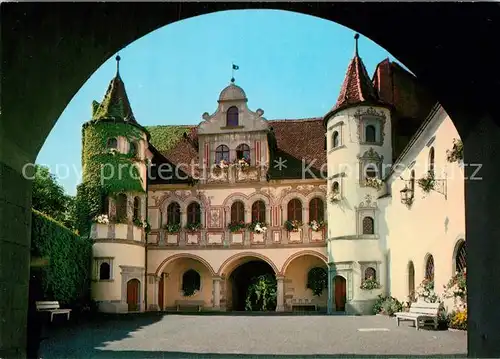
[(67, 276)]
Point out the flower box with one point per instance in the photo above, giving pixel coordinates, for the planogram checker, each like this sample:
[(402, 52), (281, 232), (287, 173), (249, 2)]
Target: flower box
[(316, 236), (193, 237), (257, 238), (295, 236), (237, 237), (172, 238)]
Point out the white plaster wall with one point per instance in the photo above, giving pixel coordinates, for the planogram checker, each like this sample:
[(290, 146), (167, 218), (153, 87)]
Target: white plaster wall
[(122, 254), (341, 216), (433, 224)]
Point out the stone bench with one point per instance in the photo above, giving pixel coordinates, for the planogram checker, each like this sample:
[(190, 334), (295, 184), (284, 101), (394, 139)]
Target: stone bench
[(189, 304)]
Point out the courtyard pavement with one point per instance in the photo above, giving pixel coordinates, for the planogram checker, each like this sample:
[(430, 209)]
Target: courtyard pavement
[(224, 336)]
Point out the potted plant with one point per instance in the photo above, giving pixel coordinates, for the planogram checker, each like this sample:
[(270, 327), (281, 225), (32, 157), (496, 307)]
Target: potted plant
[(172, 227), (334, 196), (373, 182), (258, 227), (317, 226), (293, 226), (425, 291), (236, 226), (193, 226), (370, 284), (102, 219), (456, 154), (428, 182), (317, 280)]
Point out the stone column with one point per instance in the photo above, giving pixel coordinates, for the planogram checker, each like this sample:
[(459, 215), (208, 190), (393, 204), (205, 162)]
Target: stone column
[(280, 299), (482, 198), (216, 293), (154, 301), (330, 291)]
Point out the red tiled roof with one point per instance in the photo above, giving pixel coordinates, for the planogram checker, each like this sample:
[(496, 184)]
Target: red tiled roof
[(357, 86), (296, 139)]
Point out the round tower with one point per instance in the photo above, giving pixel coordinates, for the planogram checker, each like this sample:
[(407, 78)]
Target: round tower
[(359, 152), (111, 201)]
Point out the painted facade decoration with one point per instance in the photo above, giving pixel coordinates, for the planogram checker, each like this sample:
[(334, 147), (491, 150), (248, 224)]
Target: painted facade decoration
[(240, 195)]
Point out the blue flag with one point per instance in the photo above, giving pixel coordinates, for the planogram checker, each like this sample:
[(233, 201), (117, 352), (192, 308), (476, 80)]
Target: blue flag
[(235, 67)]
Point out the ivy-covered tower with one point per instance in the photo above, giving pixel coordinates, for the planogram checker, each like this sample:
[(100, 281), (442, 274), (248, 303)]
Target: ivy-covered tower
[(111, 201)]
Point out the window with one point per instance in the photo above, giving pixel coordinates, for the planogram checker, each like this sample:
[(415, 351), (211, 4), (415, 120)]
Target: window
[(103, 268), (121, 208), (429, 268), (194, 213), (316, 210), (370, 133), (232, 117), (371, 170), (259, 212), (191, 282), (237, 212), (243, 152), (431, 160), (112, 143), (335, 187), (368, 225), (370, 273), (104, 271), (412, 181), (295, 210), (174, 213), (460, 258), (335, 139), (221, 153), (137, 208), (133, 149)]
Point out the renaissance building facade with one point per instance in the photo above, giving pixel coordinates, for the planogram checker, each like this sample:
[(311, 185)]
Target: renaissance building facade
[(330, 212)]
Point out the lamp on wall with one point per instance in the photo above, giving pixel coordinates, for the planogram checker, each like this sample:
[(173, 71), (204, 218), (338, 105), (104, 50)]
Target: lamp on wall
[(406, 195)]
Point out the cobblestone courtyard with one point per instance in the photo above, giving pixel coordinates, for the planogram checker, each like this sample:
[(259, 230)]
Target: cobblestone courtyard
[(207, 336)]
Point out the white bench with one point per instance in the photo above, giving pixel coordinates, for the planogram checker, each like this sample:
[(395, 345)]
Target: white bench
[(189, 304), (420, 312), (52, 308)]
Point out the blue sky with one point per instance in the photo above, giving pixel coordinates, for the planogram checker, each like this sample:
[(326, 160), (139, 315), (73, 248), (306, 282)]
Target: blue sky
[(290, 65)]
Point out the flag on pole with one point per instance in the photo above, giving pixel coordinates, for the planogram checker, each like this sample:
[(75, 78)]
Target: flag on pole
[(236, 67)]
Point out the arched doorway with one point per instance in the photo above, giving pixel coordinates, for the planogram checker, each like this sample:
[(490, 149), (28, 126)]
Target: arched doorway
[(340, 287), (133, 295), (161, 284), (411, 282), (245, 280)]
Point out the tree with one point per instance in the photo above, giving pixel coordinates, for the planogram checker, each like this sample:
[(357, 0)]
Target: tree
[(49, 198)]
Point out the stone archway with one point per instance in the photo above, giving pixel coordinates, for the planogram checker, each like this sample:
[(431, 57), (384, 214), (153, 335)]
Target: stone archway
[(433, 52)]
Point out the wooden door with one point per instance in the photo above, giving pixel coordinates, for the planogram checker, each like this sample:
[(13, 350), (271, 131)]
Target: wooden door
[(160, 293), (340, 293), (133, 295)]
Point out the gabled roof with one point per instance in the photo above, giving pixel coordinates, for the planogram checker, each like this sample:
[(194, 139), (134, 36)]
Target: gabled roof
[(115, 105), (299, 142)]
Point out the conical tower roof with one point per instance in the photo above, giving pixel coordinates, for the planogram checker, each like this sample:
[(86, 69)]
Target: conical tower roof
[(115, 105)]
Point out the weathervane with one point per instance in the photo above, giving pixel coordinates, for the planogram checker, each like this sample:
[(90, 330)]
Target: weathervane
[(235, 67)]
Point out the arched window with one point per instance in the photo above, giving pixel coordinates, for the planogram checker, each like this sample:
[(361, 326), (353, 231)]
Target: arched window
[(237, 212), (429, 268), (221, 153), (232, 116), (191, 282), (193, 213), (460, 258), (243, 152), (370, 273), (412, 181), (112, 143), (368, 225), (431, 160), (133, 149), (316, 210), (137, 208), (259, 212), (104, 271), (371, 170), (121, 208), (370, 133), (105, 205), (335, 139), (174, 213), (295, 210)]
